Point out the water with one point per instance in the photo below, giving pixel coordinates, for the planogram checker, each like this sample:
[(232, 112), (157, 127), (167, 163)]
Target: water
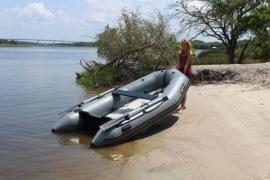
[(35, 85)]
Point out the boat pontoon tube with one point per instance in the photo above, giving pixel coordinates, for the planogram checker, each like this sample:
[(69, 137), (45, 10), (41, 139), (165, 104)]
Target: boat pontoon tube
[(120, 113)]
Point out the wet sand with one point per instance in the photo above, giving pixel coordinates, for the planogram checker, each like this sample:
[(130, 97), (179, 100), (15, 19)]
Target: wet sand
[(224, 134)]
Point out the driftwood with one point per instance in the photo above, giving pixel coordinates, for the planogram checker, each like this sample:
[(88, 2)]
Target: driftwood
[(78, 75), (233, 73), (90, 66), (214, 75)]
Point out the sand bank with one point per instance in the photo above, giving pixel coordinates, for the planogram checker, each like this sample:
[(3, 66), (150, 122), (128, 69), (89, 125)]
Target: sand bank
[(224, 134), (256, 74)]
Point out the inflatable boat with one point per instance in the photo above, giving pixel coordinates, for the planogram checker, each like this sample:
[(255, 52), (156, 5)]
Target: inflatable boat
[(120, 113)]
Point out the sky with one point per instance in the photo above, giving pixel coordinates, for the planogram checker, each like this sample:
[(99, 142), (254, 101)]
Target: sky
[(74, 20)]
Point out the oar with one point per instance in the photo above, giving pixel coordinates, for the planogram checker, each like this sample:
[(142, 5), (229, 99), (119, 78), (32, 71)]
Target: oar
[(89, 100)]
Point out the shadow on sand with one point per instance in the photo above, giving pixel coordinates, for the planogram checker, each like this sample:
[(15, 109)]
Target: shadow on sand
[(134, 146), (156, 128)]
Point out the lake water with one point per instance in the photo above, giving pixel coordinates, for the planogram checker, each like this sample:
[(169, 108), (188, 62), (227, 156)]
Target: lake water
[(35, 85)]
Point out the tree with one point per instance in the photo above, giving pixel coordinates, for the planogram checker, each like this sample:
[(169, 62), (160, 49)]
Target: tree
[(137, 43), (225, 20), (134, 47)]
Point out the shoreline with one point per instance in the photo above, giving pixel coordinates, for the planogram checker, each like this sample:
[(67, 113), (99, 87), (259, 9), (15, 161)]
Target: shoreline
[(33, 46), (252, 74), (12, 46)]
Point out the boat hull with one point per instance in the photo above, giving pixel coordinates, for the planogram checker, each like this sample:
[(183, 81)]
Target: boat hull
[(169, 85)]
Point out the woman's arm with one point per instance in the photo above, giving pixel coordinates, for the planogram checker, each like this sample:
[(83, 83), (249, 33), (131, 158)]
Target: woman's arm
[(189, 60)]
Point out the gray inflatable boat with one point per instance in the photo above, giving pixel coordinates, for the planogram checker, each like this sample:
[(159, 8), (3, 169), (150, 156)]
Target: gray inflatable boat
[(120, 113)]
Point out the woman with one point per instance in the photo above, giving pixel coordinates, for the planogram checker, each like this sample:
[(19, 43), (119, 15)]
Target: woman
[(183, 64)]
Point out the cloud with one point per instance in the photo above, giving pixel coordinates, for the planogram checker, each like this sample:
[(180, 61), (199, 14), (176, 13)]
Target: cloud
[(34, 13), (104, 11), (36, 20), (62, 16)]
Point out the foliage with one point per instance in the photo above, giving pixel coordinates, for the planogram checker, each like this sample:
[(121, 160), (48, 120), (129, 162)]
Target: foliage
[(103, 77), (91, 44), (225, 20), (259, 21), (138, 45), (135, 47), (211, 57), (172, 40), (260, 46), (197, 44), (3, 41)]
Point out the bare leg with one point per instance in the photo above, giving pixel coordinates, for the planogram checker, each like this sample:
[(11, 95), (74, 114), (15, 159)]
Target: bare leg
[(183, 105)]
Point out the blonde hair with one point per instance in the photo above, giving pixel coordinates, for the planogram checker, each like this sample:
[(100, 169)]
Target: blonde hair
[(189, 46)]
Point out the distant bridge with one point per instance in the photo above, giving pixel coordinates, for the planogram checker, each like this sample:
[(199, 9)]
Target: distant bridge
[(43, 41)]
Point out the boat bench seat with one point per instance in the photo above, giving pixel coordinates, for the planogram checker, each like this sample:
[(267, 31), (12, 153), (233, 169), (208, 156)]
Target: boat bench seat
[(134, 94)]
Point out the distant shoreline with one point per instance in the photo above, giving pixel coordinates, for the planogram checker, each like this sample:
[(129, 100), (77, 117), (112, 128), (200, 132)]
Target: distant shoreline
[(44, 43), (14, 45), (29, 46)]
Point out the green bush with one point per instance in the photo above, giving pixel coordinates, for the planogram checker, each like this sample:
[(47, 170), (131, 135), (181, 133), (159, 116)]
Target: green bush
[(104, 77)]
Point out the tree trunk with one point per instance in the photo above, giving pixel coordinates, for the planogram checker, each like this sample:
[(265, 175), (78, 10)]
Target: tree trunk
[(231, 55), (231, 52), (241, 57)]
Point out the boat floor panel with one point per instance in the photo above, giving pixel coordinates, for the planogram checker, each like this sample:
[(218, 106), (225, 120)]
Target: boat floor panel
[(127, 108), (135, 104)]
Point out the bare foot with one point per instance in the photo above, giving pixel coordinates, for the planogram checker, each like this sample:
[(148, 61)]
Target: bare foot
[(177, 110), (180, 110), (183, 107)]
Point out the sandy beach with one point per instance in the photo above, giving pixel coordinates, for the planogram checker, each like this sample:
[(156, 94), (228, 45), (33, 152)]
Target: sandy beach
[(224, 134)]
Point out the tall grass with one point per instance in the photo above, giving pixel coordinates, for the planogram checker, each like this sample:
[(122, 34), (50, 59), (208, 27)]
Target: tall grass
[(211, 57), (103, 77)]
